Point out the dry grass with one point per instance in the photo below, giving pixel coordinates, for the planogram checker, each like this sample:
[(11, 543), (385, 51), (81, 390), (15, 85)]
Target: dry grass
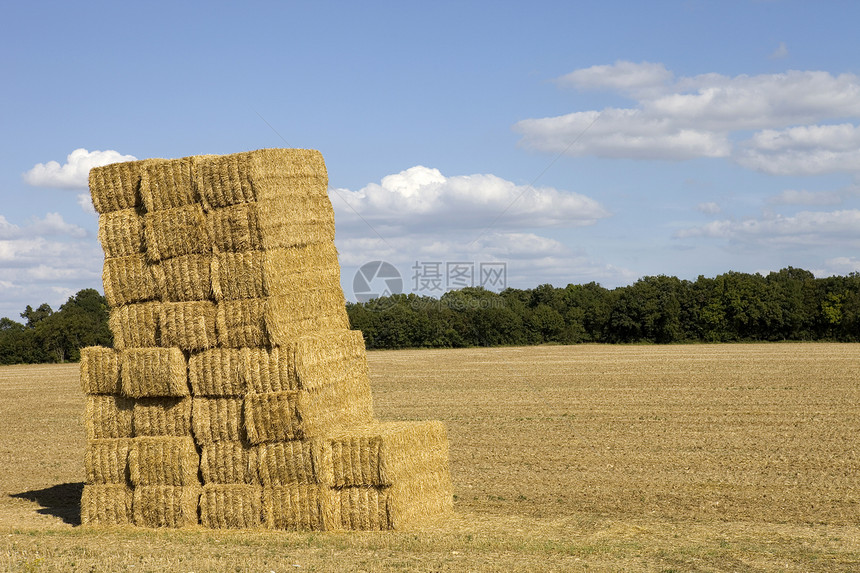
[(637, 458)]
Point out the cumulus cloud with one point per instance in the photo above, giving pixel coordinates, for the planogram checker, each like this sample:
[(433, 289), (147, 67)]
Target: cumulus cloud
[(420, 215), (709, 208), (804, 197), (804, 229), (803, 150), (423, 199), (679, 118), (780, 52), (74, 173)]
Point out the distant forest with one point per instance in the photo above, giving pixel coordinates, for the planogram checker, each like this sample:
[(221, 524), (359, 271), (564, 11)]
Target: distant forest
[(733, 307)]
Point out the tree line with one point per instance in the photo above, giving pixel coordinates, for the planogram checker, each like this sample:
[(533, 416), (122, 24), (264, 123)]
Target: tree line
[(733, 307)]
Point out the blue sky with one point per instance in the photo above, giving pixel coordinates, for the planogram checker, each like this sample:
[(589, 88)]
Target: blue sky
[(571, 141)]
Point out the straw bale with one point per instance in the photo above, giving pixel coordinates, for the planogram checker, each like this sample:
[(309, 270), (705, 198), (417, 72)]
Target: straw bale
[(267, 370), (135, 325), (128, 279), (108, 416), (121, 233), (238, 275), (217, 419), (175, 232), (163, 460), (325, 357), (166, 506), (292, 269), (291, 316), (362, 508), (257, 175), (116, 186), (232, 506), (188, 325), (294, 461), (185, 278), (228, 462), (217, 372), (99, 370), (106, 460), (289, 221), (153, 372), (167, 184), (420, 499), (106, 504), (242, 323), (235, 228), (167, 416), (292, 415), (385, 453), (299, 507)]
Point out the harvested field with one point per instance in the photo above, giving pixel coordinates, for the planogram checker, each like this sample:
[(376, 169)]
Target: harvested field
[(636, 458)]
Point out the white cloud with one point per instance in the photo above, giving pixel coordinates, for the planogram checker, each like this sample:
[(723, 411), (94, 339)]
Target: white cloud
[(804, 197), (74, 173), (840, 266), (422, 198), (804, 229), (421, 215), (780, 52), (626, 77), (701, 116), (709, 208), (803, 150)]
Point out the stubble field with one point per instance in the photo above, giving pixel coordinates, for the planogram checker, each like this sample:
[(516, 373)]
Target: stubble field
[(598, 458)]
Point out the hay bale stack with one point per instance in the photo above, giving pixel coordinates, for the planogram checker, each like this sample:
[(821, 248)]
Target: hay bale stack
[(237, 396)]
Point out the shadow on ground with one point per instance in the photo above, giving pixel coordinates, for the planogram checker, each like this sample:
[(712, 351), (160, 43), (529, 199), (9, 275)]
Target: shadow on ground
[(61, 500)]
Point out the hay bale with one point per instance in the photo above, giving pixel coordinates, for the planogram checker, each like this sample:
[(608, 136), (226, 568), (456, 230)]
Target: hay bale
[(163, 460), (121, 233), (165, 506), (257, 273), (296, 414), (235, 228), (167, 184), (325, 357), (299, 507), (188, 325), (258, 175), (292, 269), (116, 186), (419, 500), (217, 372), (163, 416), (294, 461), (128, 279), (185, 278), (135, 325), (108, 416), (106, 504), (228, 462), (310, 311), (238, 275), (153, 372), (233, 506), (267, 370), (362, 508), (386, 453), (291, 221), (176, 232), (242, 323), (217, 419), (106, 461), (99, 370)]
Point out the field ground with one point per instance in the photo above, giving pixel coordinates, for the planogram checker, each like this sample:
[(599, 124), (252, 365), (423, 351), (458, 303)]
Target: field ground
[(597, 458)]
